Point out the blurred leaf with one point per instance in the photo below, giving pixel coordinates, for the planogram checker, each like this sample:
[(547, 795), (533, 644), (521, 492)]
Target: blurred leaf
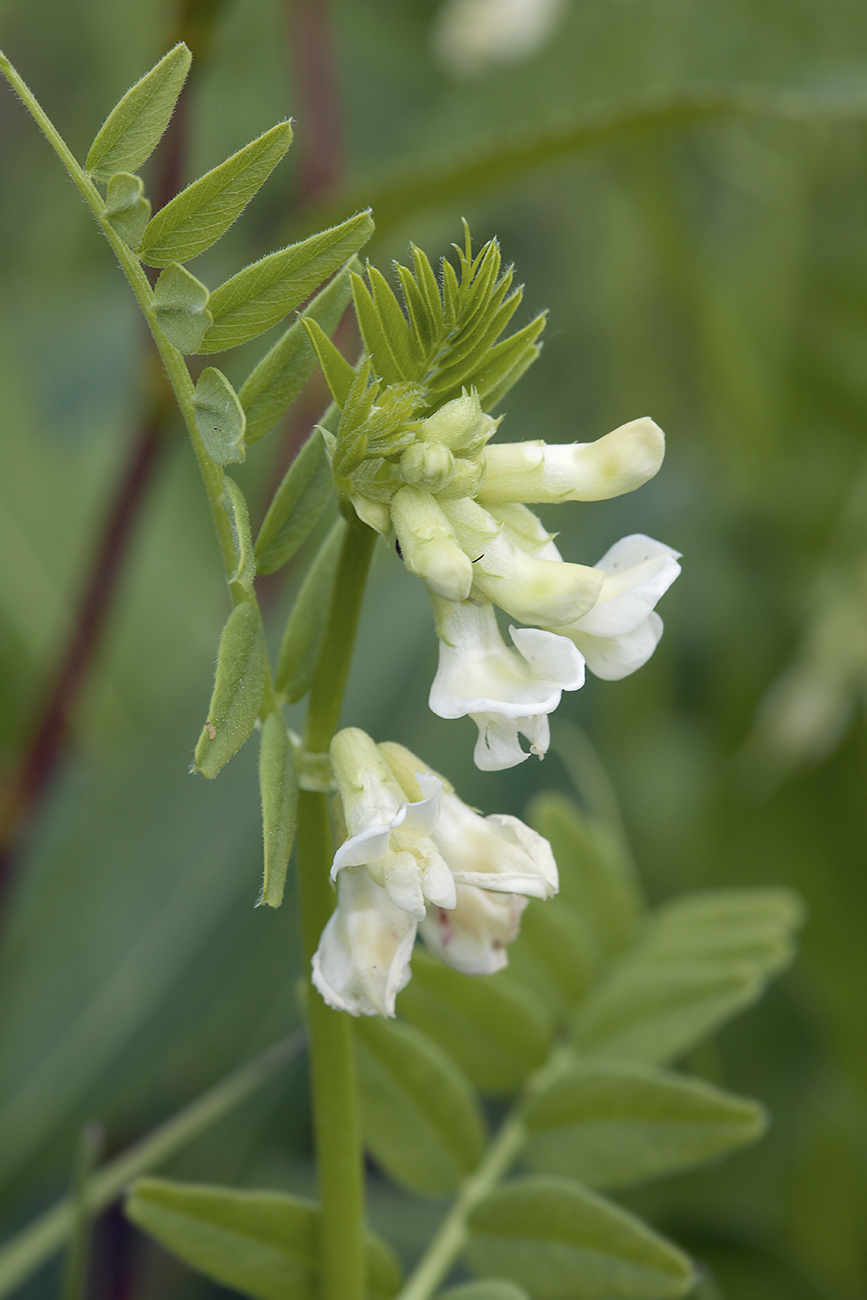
[(419, 1113), (555, 954), (563, 1242), (135, 125), (262, 1244), (655, 1013), (127, 209), (196, 218), (278, 784), (43, 1237), (181, 307), (242, 665), (219, 417), (271, 388), (305, 627), (492, 1289), (298, 504), (612, 1124), (494, 1029), (751, 926), (263, 293), (595, 878)]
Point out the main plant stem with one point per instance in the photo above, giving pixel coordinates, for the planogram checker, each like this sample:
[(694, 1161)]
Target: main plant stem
[(336, 1123)]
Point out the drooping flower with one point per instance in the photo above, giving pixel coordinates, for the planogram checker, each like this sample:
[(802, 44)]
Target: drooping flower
[(507, 692), (413, 853)]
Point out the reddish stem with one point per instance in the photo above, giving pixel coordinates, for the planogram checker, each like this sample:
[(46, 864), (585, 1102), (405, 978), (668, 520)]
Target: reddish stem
[(319, 137)]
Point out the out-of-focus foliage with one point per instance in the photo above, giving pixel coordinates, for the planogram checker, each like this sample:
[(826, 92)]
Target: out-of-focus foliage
[(684, 186)]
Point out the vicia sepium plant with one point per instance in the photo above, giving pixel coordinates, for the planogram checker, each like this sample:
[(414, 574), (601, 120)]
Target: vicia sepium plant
[(599, 997)]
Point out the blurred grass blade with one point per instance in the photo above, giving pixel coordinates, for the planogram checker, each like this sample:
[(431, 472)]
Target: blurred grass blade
[(135, 125), (196, 218), (39, 1241), (74, 1285)]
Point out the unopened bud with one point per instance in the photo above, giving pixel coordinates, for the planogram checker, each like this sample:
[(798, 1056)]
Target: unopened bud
[(428, 545), (577, 471), (461, 424), (427, 464)]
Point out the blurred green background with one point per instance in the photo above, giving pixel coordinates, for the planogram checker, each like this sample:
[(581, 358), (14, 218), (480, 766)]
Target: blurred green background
[(683, 184)]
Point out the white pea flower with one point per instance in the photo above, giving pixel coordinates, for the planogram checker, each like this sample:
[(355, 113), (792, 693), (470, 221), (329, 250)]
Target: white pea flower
[(622, 630), (471, 36), (507, 692), (531, 589), (473, 936), (413, 853), (362, 961), (539, 472)]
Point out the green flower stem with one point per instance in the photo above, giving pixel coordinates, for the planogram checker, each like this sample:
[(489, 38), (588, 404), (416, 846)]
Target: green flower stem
[(451, 1237), (175, 366), (336, 1120)]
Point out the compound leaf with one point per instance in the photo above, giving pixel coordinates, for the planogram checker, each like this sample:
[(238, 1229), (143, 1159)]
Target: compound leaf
[(615, 1123), (263, 1244), (134, 126), (196, 218), (263, 293), (495, 1030), (419, 1113), (563, 1242)]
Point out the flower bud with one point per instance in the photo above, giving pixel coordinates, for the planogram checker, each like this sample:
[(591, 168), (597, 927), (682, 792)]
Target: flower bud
[(578, 471), (427, 464), (428, 546), (461, 424)]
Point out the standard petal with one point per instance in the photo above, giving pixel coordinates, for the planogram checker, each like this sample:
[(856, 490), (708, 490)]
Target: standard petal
[(473, 936), (362, 961)]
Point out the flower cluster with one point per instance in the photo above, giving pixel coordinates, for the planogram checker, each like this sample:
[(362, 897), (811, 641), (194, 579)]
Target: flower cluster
[(416, 859), (459, 511)]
